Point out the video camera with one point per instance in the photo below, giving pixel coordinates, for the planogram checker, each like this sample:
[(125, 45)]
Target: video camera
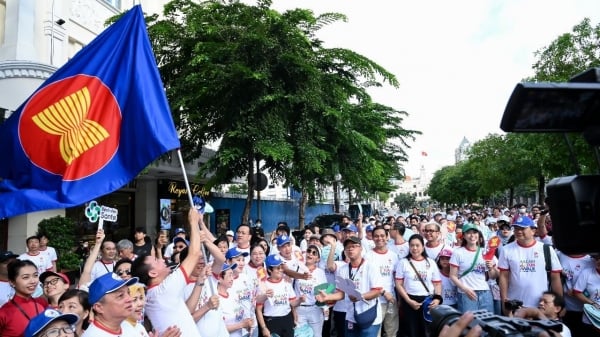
[(566, 108), (492, 325)]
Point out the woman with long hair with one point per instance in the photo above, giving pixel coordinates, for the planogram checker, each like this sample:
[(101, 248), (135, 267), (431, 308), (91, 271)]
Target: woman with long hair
[(417, 279), (255, 268), (75, 301), (15, 314), (469, 272)]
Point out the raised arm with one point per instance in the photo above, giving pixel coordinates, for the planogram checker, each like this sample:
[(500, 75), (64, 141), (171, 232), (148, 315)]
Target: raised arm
[(86, 273)]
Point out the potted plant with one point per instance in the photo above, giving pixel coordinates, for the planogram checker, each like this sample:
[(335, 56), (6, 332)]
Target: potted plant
[(61, 234)]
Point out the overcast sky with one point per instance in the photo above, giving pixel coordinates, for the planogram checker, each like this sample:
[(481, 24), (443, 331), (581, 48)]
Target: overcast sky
[(457, 61)]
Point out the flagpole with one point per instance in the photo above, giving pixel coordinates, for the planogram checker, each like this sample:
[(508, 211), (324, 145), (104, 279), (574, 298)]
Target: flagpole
[(191, 199)]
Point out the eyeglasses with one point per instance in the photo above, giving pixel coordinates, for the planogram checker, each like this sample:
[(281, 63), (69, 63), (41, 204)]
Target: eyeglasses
[(123, 272), (312, 252), (52, 282), (430, 231), (56, 331)]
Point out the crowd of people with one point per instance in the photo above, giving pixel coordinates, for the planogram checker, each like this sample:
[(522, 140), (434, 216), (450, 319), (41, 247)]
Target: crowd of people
[(368, 276)]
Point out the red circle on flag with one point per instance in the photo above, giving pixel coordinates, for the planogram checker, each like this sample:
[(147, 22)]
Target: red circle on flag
[(71, 127)]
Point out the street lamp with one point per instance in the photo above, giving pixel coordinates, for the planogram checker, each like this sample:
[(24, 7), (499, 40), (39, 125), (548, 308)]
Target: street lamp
[(336, 192)]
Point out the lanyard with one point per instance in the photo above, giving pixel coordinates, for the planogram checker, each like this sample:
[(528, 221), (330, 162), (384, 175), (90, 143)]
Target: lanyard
[(357, 269), (105, 267), (37, 312)]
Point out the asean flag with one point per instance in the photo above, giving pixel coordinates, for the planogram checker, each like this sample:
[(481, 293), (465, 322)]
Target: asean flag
[(90, 128)]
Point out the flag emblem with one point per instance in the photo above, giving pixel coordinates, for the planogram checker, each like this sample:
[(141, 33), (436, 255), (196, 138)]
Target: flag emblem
[(75, 135)]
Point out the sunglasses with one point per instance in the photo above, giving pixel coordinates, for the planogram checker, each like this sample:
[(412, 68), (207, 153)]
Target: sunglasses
[(312, 252), (123, 272)]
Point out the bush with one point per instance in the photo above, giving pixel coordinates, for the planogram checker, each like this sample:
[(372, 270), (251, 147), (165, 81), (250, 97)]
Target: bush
[(61, 234)]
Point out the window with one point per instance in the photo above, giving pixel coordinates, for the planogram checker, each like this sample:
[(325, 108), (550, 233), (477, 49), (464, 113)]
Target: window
[(114, 3)]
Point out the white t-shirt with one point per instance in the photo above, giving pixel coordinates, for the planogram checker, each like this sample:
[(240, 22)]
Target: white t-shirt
[(100, 268), (244, 290), (588, 283), (6, 292), (462, 258), (233, 313), (448, 290), (383, 266), (426, 268), (527, 266), (96, 330), (306, 287), (572, 268), (41, 260), (165, 305), (139, 328), (50, 252), (433, 252), (401, 250), (278, 305), (365, 279), (211, 324)]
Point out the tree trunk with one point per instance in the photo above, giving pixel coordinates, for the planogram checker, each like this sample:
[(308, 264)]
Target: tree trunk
[(302, 208), (511, 196), (541, 185), (250, 195)]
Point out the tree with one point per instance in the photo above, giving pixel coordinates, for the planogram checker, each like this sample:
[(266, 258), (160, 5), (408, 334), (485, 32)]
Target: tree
[(405, 201), (262, 84)]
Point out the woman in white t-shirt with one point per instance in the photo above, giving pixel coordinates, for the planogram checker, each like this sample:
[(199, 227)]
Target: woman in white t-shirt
[(275, 315), (469, 272), (237, 323), (417, 278), (308, 312)]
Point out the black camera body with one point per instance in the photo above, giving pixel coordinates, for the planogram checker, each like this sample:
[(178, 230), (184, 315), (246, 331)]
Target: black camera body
[(570, 107), (513, 305), (492, 325)]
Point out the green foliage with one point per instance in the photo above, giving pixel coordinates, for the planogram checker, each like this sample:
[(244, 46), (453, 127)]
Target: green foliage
[(405, 201), (238, 189), (60, 232), (261, 83)]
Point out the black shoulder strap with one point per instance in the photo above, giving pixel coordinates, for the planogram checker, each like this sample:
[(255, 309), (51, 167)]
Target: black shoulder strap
[(548, 262)]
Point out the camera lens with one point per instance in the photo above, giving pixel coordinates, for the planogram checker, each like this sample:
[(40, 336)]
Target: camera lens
[(443, 315)]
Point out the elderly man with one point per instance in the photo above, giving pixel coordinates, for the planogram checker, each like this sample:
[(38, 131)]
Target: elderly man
[(111, 304)]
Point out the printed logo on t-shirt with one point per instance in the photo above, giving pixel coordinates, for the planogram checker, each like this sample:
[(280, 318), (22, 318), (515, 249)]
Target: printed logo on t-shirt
[(527, 266), (386, 269), (280, 299)]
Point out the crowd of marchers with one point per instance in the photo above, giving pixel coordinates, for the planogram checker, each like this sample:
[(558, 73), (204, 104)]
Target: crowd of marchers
[(368, 276)]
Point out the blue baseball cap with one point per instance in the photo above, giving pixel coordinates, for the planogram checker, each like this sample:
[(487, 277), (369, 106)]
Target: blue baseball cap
[(106, 284), (369, 228), (179, 230), (524, 221), (39, 322), (282, 240), (226, 266), (234, 252), (273, 261), (351, 227)]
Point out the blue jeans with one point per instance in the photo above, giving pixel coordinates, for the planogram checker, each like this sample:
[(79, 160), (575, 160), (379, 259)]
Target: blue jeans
[(483, 301), (371, 331)]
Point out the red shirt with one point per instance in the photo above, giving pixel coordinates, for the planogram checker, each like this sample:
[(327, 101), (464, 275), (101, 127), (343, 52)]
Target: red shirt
[(16, 313)]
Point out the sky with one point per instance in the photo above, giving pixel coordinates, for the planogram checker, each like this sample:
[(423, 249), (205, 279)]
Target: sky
[(457, 62)]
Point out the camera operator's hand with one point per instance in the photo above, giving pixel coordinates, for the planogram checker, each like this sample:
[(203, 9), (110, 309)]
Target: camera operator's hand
[(457, 328)]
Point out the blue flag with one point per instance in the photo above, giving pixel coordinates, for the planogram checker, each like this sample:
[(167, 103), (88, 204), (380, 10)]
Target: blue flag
[(90, 128)]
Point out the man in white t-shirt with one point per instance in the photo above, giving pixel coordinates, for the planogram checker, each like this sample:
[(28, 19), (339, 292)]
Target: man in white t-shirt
[(165, 305), (179, 232), (106, 264), (42, 261), (523, 267), (383, 262), (6, 291), (49, 251), (112, 305)]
